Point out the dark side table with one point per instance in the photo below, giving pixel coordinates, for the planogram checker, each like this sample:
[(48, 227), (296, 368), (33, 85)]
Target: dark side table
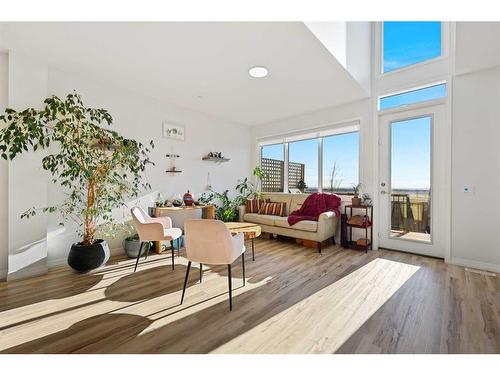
[(368, 227)]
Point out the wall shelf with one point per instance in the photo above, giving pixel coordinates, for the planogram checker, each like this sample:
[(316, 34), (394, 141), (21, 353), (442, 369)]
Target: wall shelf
[(173, 171), (217, 160)]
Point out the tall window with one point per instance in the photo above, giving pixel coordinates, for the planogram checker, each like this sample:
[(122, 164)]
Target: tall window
[(408, 43), (340, 162), (303, 165), (272, 162), (337, 172)]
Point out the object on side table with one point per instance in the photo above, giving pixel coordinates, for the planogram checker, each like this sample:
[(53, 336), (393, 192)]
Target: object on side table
[(188, 199), (356, 200)]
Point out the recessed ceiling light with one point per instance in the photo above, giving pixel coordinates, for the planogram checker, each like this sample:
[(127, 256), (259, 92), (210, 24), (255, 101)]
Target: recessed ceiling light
[(258, 71)]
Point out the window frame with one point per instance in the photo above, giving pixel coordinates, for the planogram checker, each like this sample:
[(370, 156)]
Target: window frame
[(423, 103), (346, 127), (445, 31)]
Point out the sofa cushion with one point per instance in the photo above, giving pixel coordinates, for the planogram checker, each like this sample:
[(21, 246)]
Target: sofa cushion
[(305, 225), (253, 205), (273, 208), (260, 219), (280, 197)]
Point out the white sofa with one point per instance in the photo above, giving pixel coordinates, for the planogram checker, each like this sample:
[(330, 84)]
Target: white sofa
[(319, 231)]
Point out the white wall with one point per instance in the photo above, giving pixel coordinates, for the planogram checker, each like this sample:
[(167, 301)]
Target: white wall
[(27, 182), (4, 76), (476, 164)]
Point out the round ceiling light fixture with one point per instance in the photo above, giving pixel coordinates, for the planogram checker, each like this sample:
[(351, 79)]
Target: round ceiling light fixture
[(258, 71)]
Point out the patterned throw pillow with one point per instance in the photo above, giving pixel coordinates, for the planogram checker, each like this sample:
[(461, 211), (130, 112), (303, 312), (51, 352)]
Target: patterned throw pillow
[(273, 208), (253, 206)]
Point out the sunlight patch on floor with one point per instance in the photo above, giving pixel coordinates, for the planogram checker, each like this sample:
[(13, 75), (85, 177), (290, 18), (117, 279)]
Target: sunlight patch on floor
[(333, 313), (200, 297)]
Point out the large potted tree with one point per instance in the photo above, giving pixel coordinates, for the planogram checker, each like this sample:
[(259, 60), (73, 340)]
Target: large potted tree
[(97, 168)]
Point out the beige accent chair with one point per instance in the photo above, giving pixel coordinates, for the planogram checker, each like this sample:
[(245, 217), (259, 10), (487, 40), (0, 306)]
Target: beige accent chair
[(153, 229), (323, 229), (210, 242)]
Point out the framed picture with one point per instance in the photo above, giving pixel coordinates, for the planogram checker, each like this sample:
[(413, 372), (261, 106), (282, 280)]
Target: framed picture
[(173, 131)]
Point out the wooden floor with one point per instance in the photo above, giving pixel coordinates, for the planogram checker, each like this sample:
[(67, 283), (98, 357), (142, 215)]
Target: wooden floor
[(295, 301)]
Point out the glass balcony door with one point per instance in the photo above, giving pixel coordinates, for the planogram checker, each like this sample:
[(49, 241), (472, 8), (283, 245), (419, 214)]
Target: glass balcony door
[(414, 181)]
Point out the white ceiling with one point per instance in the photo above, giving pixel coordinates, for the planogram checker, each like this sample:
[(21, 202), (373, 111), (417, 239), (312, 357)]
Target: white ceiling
[(181, 61)]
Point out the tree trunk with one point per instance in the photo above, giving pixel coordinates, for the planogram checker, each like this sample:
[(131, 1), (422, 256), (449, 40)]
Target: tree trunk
[(89, 223)]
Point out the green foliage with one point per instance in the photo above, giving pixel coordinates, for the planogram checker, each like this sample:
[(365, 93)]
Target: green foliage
[(357, 189), (246, 190), (226, 209), (97, 167)]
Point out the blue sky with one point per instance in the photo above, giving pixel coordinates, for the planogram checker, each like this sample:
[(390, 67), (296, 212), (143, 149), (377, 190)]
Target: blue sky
[(411, 154), (416, 96), (407, 43), (342, 149)]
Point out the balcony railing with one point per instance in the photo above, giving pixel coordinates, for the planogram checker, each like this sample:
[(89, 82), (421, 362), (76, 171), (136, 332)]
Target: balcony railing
[(410, 212)]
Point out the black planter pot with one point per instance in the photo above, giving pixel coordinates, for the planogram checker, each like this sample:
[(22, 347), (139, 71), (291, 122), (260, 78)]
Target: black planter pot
[(84, 258)]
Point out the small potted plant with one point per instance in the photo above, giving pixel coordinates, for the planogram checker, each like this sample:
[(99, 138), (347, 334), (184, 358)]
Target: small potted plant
[(301, 185), (132, 246), (356, 200)]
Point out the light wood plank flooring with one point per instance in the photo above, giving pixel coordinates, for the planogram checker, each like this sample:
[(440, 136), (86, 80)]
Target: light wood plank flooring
[(295, 301)]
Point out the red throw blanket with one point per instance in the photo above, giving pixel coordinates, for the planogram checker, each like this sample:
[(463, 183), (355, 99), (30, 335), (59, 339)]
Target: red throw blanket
[(315, 205)]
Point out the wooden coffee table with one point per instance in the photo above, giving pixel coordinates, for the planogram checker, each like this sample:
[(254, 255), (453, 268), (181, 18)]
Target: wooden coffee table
[(249, 230)]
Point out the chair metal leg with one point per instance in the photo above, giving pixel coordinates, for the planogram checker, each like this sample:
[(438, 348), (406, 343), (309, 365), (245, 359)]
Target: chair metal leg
[(319, 247), (243, 265), (138, 256), (253, 250), (146, 252), (173, 261), (185, 281), (230, 287), (201, 271)]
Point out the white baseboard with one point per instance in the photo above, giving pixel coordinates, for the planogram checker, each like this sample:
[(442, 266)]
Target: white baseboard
[(475, 264), (28, 272)]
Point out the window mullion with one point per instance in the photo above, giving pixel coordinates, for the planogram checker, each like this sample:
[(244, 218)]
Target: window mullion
[(285, 172), (320, 164)]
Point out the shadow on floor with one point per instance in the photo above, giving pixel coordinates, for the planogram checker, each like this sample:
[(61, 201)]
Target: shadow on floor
[(20, 293), (88, 335)]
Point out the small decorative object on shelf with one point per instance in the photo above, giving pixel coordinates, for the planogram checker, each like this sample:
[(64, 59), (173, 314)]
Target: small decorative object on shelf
[(177, 201), (215, 156), (159, 202), (363, 222), (172, 168), (188, 199), (356, 200)]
